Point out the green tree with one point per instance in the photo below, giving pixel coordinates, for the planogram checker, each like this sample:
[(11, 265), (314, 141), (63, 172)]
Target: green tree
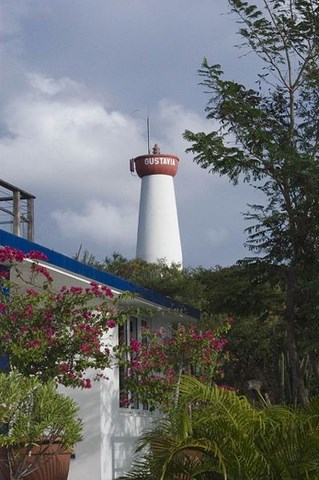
[(181, 284), (254, 306), (269, 137), (240, 291), (212, 433)]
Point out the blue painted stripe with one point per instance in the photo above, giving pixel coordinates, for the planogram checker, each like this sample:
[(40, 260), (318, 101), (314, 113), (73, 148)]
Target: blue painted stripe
[(84, 270), (4, 363)]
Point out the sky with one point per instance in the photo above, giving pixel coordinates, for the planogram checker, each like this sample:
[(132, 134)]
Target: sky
[(78, 80)]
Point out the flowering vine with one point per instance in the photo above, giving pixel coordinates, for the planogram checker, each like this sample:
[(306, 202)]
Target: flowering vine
[(53, 334), (154, 364)]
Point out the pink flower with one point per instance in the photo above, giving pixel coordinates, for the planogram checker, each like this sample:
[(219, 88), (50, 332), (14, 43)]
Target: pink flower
[(87, 383), (110, 324), (3, 307), (96, 289), (9, 254), (135, 345), (32, 292), (76, 290), (63, 367), (49, 332), (107, 291), (28, 311), (33, 344), (85, 348), (35, 255), (42, 270)]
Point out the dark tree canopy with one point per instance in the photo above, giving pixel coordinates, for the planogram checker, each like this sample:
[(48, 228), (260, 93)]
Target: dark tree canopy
[(269, 137)]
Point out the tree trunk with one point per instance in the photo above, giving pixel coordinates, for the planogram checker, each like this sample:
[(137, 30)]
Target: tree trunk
[(299, 388), (314, 360)]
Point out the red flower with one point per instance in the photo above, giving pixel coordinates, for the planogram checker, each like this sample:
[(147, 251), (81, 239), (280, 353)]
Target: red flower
[(110, 324), (87, 383), (135, 345)]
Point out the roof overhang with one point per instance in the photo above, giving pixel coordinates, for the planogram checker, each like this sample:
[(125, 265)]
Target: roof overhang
[(68, 271)]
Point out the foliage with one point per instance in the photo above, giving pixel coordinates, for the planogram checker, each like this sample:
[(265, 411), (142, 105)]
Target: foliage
[(172, 281), (155, 364), (256, 342), (50, 334), (241, 291), (268, 137), (256, 349), (244, 292), (34, 413), (213, 433)]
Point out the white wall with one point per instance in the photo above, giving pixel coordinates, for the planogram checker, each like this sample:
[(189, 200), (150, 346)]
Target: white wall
[(158, 230), (110, 432)]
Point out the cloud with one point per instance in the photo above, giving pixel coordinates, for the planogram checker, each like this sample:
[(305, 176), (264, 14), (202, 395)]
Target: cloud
[(217, 236), (46, 86), (99, 223), (68, 144)]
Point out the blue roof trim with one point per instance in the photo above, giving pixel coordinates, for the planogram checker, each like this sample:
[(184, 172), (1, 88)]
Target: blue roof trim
[(79, 268)]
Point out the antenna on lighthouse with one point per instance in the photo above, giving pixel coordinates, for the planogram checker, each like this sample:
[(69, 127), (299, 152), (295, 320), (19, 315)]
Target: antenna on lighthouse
[(148, 134)]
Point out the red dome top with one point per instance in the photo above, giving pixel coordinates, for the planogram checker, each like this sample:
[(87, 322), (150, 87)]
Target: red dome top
[(156, 164)]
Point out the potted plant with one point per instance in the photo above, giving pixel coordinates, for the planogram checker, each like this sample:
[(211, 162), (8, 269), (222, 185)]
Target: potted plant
[(39, 427)]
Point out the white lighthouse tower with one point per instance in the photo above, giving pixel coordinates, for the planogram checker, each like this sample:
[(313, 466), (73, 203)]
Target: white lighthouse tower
[(158, 231)]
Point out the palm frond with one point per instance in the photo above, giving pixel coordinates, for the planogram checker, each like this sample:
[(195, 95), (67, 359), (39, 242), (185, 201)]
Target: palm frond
[(214, 434)]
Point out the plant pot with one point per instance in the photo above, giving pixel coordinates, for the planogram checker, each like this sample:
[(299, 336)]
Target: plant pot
[(189, 456), (52, 462)]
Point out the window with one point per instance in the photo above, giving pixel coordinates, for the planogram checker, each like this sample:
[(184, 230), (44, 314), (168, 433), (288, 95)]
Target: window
[(131, 330)]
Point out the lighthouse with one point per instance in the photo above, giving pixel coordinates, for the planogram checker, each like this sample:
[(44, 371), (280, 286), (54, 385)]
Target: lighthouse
[(158, 231)]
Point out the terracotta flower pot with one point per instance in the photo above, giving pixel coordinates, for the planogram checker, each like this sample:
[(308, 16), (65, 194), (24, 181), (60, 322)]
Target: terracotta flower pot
[(52, 461), (188, 455)]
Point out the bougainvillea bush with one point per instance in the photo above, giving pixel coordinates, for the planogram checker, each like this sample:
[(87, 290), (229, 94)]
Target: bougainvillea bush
[(53, 334), (155, 364)]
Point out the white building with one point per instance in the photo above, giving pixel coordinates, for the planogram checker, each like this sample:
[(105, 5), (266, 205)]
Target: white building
[(110, 431)]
